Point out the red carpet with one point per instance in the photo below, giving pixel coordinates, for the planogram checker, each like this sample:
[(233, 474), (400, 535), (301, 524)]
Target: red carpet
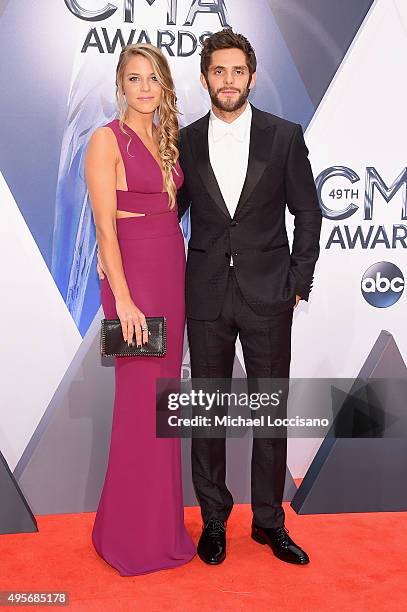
[(358, 563)]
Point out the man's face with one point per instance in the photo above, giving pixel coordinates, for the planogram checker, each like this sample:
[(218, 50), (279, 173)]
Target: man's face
[(228, 79)]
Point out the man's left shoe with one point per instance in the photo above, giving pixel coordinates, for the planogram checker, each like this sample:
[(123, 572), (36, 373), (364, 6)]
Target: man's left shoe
[(280, 543)]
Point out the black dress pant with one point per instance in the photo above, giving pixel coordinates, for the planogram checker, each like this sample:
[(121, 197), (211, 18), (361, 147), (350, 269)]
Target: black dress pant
[(266, 344)]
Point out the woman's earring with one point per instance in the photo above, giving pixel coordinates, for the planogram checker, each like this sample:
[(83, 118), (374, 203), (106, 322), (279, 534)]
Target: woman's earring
[(122, 104)]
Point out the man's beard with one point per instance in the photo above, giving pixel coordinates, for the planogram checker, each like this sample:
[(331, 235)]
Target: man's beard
[(229, 106)]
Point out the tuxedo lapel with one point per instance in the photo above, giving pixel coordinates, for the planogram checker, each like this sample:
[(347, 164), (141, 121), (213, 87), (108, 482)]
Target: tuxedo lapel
[(261, 138), (200, 151)]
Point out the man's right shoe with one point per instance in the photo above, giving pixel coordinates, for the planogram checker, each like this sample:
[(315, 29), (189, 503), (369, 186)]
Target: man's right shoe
[(212, 543)]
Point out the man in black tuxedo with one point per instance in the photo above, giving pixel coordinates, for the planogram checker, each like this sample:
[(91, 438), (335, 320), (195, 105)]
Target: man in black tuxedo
[(242, 167)]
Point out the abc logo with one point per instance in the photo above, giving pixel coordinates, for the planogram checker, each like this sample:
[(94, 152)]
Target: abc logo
[(382, 284)]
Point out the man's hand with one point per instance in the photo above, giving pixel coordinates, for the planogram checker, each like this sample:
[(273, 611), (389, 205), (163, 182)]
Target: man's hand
[(99, 267), (297, 300)]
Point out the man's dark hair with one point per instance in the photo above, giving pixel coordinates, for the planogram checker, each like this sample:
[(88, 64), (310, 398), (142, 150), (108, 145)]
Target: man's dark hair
[(227, 39)]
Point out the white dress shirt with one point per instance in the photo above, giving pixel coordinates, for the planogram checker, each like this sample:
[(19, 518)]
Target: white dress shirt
[(229, 155)]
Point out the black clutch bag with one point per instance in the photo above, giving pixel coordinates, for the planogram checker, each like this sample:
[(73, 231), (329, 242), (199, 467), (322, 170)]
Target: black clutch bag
[(112, 342)]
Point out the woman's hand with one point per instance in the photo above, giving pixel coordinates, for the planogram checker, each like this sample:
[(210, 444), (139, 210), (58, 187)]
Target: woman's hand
[(131, 318), (132, 321)]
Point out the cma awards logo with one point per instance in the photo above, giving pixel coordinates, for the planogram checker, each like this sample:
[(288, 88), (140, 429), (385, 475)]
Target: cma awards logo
[(339, 205), (382, 284), (181, 43)]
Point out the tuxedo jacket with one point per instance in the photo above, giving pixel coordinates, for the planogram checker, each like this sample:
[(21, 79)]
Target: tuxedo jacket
[(278, 175)]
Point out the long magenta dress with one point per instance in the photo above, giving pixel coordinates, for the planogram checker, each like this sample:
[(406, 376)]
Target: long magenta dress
[(139, 524)]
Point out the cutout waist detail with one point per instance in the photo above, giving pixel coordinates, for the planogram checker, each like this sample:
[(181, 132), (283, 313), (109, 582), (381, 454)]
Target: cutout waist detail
[(141, 214)]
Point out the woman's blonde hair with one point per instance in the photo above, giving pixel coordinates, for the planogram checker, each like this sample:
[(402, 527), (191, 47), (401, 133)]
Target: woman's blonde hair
[(167, 111)]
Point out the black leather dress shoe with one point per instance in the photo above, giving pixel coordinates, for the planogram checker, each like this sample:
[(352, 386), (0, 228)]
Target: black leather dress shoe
[(212, 543), (280, 543)]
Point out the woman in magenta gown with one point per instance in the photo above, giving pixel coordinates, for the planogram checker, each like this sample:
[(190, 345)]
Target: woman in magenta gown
[(133, 173)]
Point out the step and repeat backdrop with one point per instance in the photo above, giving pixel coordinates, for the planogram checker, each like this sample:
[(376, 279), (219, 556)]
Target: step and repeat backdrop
[(335, 67)]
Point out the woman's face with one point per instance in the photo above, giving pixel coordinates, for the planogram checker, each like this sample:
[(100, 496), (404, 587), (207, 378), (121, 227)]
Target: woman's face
[(140, 85)]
